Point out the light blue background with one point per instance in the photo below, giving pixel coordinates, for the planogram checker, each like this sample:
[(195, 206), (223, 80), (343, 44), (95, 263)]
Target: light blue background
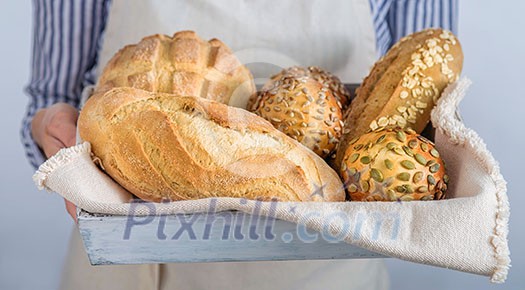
[(34, 227)]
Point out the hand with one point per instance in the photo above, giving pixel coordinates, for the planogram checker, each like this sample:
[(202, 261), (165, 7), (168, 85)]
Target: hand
[(54, 128)]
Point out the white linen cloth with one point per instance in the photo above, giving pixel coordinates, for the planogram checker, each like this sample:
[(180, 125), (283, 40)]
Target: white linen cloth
[(467, 232)]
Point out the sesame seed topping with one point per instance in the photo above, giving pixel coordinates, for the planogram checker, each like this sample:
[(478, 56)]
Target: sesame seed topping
[(320, 132), (401, 109), (391, 121), (421, 105), (310, 99), (374, 125), (383, 121), (329, 123)]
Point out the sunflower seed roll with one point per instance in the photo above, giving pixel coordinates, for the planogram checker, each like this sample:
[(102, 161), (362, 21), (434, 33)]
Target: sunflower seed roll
[(304, 109)]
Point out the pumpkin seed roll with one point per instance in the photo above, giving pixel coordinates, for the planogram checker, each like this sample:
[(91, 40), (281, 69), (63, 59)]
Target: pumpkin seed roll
[(392, 164)]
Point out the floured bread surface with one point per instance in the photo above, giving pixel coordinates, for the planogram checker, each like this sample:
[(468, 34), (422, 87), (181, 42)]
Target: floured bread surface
[(183, 65), (159, 146)]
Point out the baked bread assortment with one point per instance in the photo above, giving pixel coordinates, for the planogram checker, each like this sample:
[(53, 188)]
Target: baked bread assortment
[(304, 109), (392, 164), (404, 85), (161, 146), (160, 124), (183, 65)]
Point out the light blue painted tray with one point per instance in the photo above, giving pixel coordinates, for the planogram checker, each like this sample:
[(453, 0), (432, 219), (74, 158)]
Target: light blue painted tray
[(233, 236)]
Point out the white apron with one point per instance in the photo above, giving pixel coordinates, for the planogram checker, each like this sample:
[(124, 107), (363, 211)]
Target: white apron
[(267, 36)]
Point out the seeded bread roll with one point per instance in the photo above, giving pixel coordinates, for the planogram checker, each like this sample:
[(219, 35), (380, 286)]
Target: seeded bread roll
[(333, 83), (161, 146), (392, 164), (184, 65), (303, 109), (327, 80), (404, 85)]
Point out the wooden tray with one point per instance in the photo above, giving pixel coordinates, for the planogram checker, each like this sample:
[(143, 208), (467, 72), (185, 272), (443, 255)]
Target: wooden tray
[(166, 239)]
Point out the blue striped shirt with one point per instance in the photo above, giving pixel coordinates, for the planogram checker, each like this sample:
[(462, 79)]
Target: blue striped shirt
[(67, 36)]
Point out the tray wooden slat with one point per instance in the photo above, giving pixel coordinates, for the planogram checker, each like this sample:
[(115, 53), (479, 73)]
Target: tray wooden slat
[(156, 241)]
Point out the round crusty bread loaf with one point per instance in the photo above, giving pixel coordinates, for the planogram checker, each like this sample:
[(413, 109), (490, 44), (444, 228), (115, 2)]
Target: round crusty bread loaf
[(160, 146), (184, 65), (303, 109), (404, 85), (393, 164)]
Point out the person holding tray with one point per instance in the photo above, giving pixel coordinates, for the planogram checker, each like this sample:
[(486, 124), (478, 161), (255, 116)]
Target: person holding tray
[(73, 40)]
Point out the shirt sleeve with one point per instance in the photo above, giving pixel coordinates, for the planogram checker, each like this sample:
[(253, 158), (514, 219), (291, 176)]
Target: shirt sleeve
[(66, 38), (394, 19)]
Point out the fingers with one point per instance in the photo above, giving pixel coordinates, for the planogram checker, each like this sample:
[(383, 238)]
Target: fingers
[(50, 145), (61, 123), (55, 127), (71, 210), (63, 129)]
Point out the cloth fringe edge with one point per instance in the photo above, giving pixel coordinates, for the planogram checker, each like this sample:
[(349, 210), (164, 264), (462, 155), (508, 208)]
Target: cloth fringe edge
[(443, 118), (64, 156)]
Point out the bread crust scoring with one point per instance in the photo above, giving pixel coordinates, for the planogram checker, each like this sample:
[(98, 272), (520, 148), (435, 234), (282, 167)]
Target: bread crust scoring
[(162, 146), (184, 65)]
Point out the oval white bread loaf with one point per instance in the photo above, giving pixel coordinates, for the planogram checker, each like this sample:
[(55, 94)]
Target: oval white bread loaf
[(184, 65), (161, 146)]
